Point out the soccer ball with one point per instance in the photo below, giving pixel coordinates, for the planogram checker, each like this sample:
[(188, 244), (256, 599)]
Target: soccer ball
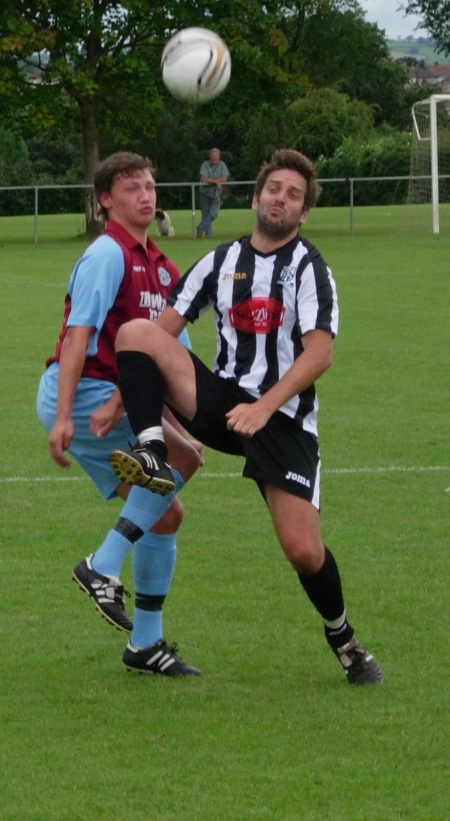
[(196, 65)]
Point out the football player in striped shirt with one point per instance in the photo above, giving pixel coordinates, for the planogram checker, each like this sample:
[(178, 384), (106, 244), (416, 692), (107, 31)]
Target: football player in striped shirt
[(276, 313)]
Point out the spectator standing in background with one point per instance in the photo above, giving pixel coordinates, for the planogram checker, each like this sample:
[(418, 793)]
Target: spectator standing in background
[(213, 173)]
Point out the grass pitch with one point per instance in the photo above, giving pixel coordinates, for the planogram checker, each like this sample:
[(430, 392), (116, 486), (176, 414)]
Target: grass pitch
[(270, 730)]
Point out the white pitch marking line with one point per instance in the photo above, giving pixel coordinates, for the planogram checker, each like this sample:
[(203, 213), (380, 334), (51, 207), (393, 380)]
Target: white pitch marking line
[(202, 475)]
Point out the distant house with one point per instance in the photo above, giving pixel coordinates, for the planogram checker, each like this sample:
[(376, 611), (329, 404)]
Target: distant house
[(441, 73), (422, 76)]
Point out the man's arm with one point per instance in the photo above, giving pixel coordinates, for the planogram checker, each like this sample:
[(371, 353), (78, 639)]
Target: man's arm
[(315, 358), (171, 321), (213, 180), (73, 355)]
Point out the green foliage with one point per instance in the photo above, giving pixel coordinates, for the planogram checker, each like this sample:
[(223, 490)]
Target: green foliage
[(318, 123), (384, 87), (100, 55), (79, 66), (435, 16), (15, 169), (14, 162), (343, 50), (376, 157), (38, 162), (330, 49), (95, 69), (261, 136), (86, 76), (315, 123)]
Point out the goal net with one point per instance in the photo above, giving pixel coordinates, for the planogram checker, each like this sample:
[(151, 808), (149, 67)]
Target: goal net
[(429, 181)]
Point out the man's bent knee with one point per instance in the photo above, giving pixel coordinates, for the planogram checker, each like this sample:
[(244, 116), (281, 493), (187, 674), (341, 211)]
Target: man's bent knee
[(171, 521), (131, 334)]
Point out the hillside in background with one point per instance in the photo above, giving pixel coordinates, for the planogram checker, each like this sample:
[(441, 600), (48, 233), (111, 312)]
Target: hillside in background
[(419, 49)]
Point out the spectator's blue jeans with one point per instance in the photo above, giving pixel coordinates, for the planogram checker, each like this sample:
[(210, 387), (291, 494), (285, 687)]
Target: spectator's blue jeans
[(210, 209)]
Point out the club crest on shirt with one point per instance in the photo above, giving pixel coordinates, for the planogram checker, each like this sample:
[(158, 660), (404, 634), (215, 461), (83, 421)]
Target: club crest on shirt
[(257, 315), (287, 274), (164, 277)]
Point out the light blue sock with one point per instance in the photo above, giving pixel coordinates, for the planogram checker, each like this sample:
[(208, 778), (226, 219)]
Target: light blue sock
[(110, 556), (154, 558), (143, 509)]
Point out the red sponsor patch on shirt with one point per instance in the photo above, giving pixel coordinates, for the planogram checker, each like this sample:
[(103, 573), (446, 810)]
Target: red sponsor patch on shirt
[(257, 315)]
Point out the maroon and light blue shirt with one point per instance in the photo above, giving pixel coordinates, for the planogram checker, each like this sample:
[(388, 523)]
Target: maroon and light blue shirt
[(115, 280)]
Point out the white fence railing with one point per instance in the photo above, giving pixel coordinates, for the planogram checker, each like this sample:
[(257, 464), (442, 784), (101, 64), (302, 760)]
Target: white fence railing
[(193, 186)]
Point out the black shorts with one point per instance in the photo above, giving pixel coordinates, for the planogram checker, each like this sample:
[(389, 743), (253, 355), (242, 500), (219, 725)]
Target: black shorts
[(281, 454)]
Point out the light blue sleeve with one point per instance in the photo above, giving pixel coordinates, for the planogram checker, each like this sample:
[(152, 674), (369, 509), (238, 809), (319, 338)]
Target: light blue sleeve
[(184, 339), (93, 286)]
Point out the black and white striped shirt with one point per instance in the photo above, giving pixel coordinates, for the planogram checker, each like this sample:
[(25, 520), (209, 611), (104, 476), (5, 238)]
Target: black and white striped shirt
[(263, 304)]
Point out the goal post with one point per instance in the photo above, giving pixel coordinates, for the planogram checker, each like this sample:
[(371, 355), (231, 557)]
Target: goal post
[(425, 153)]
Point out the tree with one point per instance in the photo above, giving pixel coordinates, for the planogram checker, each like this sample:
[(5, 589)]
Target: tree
[(435, 16), (352, 55), (86, 73), (323, 118), (14, 170), (92, 66), (82, 65), (387, 156)]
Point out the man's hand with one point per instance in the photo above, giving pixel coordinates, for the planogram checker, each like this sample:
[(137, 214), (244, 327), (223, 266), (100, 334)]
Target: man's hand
[(107, 416), (199, 448), (59, 440), (247, 419)]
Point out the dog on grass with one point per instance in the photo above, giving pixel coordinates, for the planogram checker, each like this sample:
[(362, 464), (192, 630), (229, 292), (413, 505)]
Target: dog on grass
[(164, 227)]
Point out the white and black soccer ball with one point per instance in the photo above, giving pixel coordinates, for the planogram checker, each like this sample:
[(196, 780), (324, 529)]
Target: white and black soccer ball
[(196, 65)]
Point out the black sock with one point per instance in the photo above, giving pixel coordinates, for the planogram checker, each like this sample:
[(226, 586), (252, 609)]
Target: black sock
[(142, 388), (324, 590)]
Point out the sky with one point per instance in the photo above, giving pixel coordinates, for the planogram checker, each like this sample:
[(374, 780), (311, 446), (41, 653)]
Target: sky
[(395, 23)]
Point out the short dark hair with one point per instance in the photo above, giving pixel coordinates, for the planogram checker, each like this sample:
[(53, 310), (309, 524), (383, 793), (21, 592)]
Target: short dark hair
[(294, 160), (123, 164)]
